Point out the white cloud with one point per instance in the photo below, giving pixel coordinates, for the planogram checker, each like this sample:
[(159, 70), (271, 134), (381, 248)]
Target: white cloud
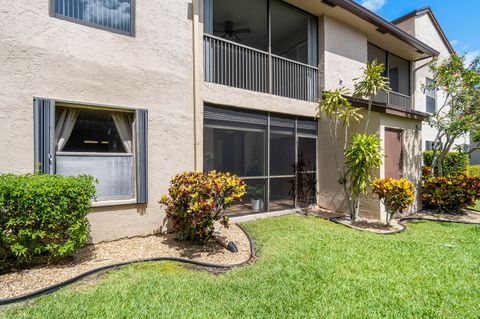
[(454, 42), (113, 13), (469, 56), (373, 5)]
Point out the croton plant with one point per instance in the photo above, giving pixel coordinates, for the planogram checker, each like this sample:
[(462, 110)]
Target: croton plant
[(196, 200)]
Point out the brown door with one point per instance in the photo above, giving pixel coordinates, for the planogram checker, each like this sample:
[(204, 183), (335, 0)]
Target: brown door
[(393, 153)]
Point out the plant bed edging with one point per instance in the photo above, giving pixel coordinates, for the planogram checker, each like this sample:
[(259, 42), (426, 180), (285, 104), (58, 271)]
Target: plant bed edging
[(55, 287), (403, 223)]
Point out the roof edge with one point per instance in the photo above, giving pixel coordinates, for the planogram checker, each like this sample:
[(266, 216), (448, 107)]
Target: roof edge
[(385, 25), (428, 11)]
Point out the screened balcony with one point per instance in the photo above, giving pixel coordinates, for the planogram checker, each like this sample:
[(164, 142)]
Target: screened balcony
[(398, 71), (262, 46)]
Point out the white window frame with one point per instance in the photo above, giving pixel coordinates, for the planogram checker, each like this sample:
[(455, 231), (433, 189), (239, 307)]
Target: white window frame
[(102, 203)]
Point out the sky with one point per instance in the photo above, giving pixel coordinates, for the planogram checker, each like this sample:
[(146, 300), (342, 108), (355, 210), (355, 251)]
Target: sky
[(459, 19)]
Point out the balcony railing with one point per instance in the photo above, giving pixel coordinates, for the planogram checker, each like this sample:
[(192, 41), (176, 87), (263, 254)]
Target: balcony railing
[(394, 98), (240, 66), (294, 80)]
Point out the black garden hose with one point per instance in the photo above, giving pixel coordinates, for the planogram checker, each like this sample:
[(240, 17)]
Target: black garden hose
[(50, 289)]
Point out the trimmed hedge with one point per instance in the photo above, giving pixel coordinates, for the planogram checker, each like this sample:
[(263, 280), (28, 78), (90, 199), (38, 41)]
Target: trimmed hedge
[(455, 164), (43, 214)]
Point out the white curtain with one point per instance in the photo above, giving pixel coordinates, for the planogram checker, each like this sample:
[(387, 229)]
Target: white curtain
[(64, 127), (123, 123)]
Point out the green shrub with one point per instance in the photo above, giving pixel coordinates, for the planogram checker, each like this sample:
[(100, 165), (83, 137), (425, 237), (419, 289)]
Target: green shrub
[(196, 200), (43, 214), (474, 170), (455, 164), (450, 194)]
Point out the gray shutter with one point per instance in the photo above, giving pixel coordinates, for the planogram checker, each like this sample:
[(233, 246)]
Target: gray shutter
[(141, 117), (44, 135)]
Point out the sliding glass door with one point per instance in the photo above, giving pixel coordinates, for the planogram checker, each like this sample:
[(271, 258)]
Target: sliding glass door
[(274, 154)]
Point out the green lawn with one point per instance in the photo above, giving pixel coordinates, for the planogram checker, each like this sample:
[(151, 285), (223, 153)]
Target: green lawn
[(308, 268), (477, 207), (474, 170)]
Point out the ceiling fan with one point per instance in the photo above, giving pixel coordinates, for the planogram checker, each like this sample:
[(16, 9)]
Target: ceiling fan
[(229, 32)]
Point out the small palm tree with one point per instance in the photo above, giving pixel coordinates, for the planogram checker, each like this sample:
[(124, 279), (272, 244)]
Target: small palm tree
[(371, 84), (340, 114), (362, 157)]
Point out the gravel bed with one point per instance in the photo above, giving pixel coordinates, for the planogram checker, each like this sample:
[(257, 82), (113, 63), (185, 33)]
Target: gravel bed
[(21, 282)]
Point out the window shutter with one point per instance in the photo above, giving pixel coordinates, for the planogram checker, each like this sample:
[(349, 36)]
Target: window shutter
[(141, 117), (44, 132)]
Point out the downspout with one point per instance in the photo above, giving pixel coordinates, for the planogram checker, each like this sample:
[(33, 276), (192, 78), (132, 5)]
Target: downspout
[(196, 9)]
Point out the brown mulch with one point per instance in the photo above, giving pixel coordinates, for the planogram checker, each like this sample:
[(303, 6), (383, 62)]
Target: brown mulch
[(20, 282)]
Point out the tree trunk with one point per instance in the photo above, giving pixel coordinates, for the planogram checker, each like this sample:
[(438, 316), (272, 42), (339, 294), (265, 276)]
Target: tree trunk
[(355, 215), (389, 217), (368, 114)]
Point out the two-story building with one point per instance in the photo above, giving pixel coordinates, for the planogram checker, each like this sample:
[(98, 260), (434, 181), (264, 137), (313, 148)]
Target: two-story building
[(133, 92), (423, 25)]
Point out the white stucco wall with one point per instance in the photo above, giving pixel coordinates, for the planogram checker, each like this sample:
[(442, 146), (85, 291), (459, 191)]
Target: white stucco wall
[(52, 58)]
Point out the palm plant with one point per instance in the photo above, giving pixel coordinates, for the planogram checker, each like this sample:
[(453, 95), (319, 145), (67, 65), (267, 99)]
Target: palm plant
[(340, 114), (371, 84), (362, 156)]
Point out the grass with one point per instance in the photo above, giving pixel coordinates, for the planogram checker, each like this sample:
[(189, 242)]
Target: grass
[(474, 170), (308, 268), (477, 207)]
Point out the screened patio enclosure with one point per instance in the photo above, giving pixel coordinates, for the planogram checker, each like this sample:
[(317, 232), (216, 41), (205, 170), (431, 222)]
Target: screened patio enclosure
[(276, 155), (261, 45)]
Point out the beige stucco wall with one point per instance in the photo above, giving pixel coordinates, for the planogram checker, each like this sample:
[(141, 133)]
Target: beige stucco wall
[(52, 58), (47, 57), (345, 53), (423, 28), (331, 193)]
